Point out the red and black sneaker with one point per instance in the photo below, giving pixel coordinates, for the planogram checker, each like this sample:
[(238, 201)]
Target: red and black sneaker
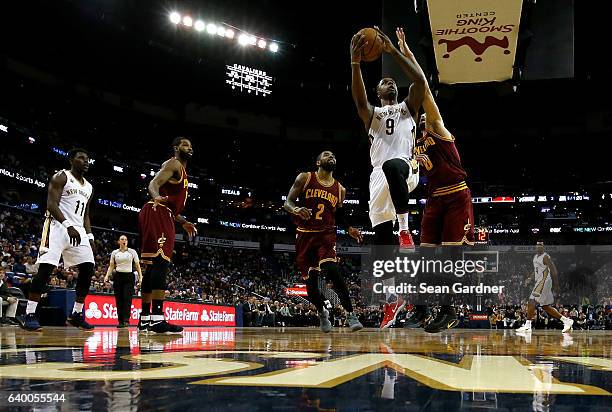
[(391, 311)]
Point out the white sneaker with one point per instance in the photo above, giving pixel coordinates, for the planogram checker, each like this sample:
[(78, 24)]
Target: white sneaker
[(524, 329), (567, 325)]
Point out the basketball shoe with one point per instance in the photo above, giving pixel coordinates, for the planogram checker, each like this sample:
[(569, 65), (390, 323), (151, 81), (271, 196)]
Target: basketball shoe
[(526, 328), (391, 311), (161, 326), (446, 319), (353, 322), (143, 323), (326, 325), (405, 241), (567, 324), (78, 321), (29, 322), (418, 319)]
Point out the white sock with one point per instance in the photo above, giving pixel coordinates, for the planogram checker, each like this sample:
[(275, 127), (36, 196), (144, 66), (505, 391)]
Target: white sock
[(528, 323), (402, 219), (31, 307), (155, 318), (388, 295), (77, 308), (145, 317)]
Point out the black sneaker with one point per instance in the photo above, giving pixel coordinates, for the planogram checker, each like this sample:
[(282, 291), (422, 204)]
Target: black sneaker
[(29, 322), (143, 323), (78, 321), (444, 320), (161, 326), (418, 319)]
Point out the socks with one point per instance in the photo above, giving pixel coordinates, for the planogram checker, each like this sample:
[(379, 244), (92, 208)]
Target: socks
[(77, 308), (31, 307), (157, 307), (146, 309), (402, 218), (390, 297)]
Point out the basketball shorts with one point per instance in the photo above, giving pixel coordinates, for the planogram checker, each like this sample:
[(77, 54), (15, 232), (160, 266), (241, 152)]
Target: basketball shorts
[(157, 232), (314, 248), (380, 204), (448, 220), (55, 244), (542, 292)]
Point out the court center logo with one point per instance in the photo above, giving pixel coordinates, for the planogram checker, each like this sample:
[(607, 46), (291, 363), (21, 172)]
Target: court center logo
[(93, 311)]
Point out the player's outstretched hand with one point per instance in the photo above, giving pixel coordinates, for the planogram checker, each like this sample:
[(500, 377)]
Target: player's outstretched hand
[(401, 40), (190, 229), (74, 235), (158, 199), (358, 42), (355, 234), (387, 46), (303, 213)]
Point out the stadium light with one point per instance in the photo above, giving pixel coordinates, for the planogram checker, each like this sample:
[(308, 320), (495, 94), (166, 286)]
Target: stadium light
[(199, 25), (188, 21), (175, 17), (211, 28), (252, 40), (273, 47), (4, 128), (229, 33), (261, 43), (221, 31), (243, 39)]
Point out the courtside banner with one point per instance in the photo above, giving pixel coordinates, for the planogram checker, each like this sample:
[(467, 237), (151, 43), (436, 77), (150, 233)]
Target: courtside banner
[(474, 40), (101, 310)]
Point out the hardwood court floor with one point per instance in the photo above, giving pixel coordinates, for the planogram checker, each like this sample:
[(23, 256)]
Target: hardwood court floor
[(264, 369)]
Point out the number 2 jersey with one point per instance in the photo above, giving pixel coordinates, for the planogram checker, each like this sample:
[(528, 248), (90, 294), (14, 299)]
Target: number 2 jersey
[(74, 199), (392, 133), (322, 200)]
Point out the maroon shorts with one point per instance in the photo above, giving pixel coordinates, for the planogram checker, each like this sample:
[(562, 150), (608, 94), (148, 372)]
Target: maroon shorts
[(448, 220), (157, 232), (314, 248)]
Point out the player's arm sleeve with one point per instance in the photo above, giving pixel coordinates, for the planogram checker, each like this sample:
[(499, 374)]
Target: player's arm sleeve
[(294, 192)]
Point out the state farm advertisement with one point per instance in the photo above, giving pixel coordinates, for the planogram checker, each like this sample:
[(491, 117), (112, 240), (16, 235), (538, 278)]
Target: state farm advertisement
[(101, 310)]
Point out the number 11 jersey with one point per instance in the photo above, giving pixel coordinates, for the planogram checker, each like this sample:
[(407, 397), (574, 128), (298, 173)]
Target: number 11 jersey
[(74, 198), (392, 134)]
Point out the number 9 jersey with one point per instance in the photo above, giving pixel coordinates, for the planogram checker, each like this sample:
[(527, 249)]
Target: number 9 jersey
[(392, 134)]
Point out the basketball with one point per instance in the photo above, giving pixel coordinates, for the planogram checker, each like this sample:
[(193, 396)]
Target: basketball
[(373, 49)]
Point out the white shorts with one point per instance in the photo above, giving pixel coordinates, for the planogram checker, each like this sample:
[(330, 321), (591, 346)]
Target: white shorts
[(380, 204), (55, 243), (542, 292)]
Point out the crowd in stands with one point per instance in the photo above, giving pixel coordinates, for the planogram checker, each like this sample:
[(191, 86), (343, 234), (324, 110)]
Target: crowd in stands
[(257, 282)]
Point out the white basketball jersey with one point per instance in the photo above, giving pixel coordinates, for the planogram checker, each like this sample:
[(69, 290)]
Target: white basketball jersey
[(392, 133), (74, 198), (539, 267)]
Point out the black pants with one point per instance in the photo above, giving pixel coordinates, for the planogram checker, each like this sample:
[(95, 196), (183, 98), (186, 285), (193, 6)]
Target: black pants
[(123, 284)]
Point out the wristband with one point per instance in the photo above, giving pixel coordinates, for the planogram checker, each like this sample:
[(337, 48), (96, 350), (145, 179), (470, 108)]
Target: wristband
[(90, 236), (66, 223), (356, 63)]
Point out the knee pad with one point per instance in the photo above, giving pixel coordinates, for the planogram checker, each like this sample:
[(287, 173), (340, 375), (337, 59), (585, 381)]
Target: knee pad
[(86, 271), (40, 280), (159, 270)]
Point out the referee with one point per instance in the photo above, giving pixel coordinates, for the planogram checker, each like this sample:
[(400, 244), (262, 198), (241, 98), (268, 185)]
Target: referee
[(121, 260)]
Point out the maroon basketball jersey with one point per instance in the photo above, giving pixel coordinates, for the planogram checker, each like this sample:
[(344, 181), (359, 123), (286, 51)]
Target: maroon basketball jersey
[(442, 165), (322, 201), (176, 192)]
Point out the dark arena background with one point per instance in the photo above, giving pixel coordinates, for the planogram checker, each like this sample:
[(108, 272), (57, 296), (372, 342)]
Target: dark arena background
[(260, 89)]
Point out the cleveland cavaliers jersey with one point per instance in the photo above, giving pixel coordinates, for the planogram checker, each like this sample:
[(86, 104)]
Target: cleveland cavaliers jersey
[(392, 134), (177, 193), (539, 267), (322, 200), (74, 199)]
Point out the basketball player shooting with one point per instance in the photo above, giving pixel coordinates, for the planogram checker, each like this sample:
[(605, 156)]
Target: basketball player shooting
[(168, 190), (546, 280), (320, 207), (448, 218), (392, 130), (67, 234)]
